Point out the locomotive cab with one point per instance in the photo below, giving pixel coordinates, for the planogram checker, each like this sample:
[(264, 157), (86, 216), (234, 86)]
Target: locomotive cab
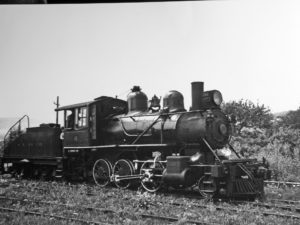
[(76, 126), (84, 122)]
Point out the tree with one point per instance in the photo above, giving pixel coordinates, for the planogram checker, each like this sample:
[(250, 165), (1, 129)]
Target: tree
[(291, 119), (246, 114)]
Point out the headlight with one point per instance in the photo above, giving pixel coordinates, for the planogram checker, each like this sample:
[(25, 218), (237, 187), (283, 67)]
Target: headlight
[(211, 99), (223, 129), (217, 97)]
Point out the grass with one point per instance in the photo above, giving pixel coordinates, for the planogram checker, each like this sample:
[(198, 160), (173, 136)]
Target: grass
[(284, 193), (128, 205)]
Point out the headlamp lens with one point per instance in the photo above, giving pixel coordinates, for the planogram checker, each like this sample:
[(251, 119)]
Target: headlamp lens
[(217, 96)]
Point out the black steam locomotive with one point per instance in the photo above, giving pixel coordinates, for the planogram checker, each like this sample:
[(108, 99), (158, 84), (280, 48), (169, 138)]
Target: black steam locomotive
[(137, 141)]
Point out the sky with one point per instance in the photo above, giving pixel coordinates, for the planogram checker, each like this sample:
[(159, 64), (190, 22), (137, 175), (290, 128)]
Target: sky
[(245, 49)]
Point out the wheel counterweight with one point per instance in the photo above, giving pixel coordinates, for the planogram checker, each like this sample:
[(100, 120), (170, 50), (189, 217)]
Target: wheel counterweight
[(123, 168)]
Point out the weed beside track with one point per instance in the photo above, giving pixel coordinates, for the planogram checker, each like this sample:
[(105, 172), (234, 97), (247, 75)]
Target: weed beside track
[(36, 202)]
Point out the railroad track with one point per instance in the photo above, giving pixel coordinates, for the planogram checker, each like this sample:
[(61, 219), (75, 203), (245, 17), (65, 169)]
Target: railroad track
[(35, 211), (265, 213), (289, 202), (290, 208), (174, 219), (270, 205), (103, 210), (58, 217), (159, 217), (167, 218), (289, 205), (282, 183)]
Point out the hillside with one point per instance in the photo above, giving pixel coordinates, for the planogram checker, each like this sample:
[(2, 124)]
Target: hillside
[(278, 114)]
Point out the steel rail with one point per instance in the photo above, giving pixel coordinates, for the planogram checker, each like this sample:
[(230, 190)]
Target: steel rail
[(265, 213), (104, 210), (281, 215), (51, 216), (174, 219), (193, 204), (286, 183), (269, 206), (152, 216), (291, 202)]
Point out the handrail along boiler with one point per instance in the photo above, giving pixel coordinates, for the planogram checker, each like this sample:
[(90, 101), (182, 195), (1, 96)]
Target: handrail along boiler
[(130, 142)]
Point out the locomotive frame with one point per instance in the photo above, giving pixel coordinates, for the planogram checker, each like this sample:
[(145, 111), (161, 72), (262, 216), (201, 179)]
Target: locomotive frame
[(128, 142)]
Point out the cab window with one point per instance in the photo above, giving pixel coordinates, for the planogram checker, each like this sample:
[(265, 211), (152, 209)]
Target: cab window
[(69, 118), (81, 117)]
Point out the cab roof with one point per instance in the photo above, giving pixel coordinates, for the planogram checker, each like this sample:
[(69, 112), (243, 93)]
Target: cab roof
[(78, 105), (84, 104)]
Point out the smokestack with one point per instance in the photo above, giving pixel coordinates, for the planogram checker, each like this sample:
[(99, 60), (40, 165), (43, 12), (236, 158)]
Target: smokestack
[(197, 92)]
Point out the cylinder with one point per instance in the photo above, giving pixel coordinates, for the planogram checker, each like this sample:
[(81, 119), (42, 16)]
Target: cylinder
[(197, 92)]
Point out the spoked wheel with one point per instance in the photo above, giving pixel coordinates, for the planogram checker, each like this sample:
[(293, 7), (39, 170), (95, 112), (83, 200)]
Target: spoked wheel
[(151, 175), (122, 169), (207, 187), (102, 171)]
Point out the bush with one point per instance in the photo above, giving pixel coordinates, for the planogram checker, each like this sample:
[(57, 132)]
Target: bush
[(280, 148), (259, 135), (246, 114)]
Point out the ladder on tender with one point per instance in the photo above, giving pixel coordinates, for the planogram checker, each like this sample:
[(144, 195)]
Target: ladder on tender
[(16, 130)]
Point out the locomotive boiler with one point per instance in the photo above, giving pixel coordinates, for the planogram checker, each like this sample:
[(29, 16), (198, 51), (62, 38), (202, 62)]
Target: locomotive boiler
[(173, 124), (141, 142)]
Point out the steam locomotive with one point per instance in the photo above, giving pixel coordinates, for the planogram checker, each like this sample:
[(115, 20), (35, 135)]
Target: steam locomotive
[(137, 141)]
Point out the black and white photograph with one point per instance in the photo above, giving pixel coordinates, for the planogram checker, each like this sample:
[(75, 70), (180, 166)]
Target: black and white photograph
[(150, 112)]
